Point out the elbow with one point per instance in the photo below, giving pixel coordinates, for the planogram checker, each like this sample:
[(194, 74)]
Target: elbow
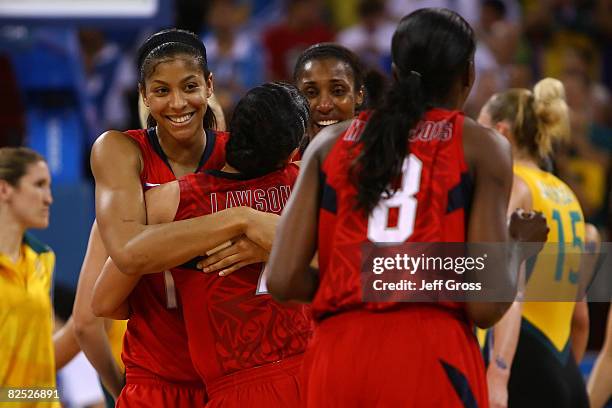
[(485, 315), (101, 309), (83, 321), (290, 287), (278, 285), (278, 290), (128, 263)]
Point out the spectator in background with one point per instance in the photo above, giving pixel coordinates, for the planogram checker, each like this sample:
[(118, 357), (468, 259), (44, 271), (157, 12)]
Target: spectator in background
[(343, 13), (586, 159), (369, 38), (497, 33), (551, 27), (468, 9), (234, 57), (109, 77), (603, 23), (190, 14), (498, 39), (12, 109), (285, 42)]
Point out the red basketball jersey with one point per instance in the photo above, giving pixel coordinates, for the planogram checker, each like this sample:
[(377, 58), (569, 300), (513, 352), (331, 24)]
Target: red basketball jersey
[(155, 341), (232, 323), (430, 206)]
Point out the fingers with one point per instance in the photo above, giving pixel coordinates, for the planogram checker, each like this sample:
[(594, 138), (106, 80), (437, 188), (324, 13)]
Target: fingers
[(233, 268), (218, 256), (242, 252), (519, 213), (225, 263), (218, 248)]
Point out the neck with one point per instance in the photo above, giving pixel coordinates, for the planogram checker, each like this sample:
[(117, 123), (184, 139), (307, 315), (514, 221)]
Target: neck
[(229, 169), (455, 99), (185, 154), (520, 156), (452, 102), (12, 235), (448, 105)]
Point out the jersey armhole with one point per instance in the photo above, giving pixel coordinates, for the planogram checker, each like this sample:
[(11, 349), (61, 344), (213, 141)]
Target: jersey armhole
[(185, 189), (138, 138)]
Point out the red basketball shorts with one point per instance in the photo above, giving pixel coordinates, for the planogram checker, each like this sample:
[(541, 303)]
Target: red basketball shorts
[(416, 356), (147, 391), (275, 385)]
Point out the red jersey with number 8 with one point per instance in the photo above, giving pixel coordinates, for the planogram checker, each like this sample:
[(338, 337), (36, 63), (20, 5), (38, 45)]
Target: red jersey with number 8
[(430, 205), (232, 322)]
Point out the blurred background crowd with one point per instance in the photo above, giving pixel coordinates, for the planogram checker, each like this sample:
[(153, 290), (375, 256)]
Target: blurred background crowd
[(63, 85)]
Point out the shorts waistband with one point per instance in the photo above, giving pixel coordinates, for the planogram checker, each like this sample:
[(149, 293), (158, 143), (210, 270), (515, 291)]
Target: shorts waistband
[(451, 309), (289, 366), (147, 378)]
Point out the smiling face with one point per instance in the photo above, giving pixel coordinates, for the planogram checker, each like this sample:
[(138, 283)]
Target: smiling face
[(176, 93), (330, 88), (30, 199)]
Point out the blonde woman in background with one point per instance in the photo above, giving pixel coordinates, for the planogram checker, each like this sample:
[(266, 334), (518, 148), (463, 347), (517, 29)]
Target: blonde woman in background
[(532, 363), (27, 351)]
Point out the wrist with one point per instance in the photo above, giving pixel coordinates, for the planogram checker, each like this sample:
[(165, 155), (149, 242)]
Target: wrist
[(241, 218), (499, 368)]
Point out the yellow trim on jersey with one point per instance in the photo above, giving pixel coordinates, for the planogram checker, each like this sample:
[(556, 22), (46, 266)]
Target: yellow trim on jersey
[(115, 334), (27, 356), (556, 273)]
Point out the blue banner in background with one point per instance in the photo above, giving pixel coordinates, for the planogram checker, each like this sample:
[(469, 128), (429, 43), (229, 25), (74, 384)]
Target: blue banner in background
[(91, 13), (59, 136)]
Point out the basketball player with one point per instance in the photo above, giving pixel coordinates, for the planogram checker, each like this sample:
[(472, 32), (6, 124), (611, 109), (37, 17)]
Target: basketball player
[(353, 175), (27, 354), (246, 347), (175, 84), (532, 364)]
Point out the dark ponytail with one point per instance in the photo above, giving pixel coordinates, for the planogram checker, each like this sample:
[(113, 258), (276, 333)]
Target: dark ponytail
[(431, 50), (384, 141)]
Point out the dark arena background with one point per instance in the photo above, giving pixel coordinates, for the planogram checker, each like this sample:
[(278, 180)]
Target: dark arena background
[(68, 73)]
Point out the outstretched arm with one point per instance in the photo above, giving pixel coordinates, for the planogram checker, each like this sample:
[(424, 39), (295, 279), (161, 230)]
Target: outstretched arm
[(289, 275), (506, 332), (599, 386), (65, 344), (89, 329), (138, 248), (580, 319)]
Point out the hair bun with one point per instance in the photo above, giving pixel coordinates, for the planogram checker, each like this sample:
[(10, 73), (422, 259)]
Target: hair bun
[(552, 112), (548, 91)]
